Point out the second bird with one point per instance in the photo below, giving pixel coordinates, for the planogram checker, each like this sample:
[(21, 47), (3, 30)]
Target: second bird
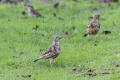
[(93, 26)]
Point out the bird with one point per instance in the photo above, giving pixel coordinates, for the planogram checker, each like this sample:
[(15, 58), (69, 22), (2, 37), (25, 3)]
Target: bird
[(52, 51), (56, 4), (33, 12), (93, 26)]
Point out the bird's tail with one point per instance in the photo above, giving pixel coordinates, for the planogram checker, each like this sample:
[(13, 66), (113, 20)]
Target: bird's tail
[(37, 59), (85, 35)]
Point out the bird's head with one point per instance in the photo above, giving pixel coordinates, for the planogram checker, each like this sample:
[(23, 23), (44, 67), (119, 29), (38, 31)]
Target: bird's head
[(30, 7), (57, 38), (96, 16)]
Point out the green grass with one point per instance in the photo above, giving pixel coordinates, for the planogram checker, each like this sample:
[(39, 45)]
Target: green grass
[(20, 44)]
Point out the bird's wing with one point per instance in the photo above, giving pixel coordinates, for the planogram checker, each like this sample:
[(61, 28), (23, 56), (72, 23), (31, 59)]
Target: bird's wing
[(98, 25), (49, 49), (91, 24), (90, 27), (94, 24), (93, 27), (35, 12), (49, 53)]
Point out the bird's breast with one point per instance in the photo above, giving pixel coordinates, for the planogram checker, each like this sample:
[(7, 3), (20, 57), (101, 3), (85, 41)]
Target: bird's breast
[(58, 49)]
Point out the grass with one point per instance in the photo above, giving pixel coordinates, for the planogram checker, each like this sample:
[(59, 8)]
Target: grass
[(20, 44)]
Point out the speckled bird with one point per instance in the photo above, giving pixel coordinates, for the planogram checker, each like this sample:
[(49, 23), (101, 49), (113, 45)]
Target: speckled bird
[(93, 26), (52, 52), (33, 12)]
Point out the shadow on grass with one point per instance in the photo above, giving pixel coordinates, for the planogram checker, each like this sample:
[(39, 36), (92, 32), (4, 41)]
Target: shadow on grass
[(96, 43), (46, 63)]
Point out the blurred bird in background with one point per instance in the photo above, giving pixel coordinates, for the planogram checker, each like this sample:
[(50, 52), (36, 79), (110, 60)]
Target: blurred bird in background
[(33, 12)]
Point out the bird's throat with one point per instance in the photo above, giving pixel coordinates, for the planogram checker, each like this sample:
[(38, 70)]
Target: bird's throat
[(56, 43)]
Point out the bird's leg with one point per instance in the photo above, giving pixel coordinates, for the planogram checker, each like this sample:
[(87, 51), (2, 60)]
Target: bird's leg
[(88, 37), (95, 37), (51, 61)]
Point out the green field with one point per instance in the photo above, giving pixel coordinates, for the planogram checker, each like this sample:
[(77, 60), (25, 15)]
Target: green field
[(20, 44)]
